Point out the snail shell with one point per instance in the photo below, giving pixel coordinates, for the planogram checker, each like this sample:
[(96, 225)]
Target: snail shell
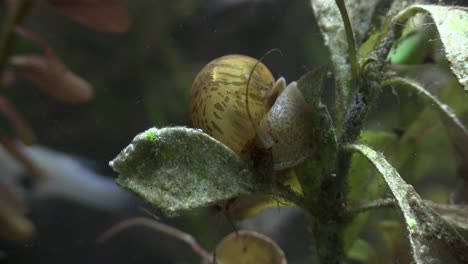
[(218, 103), (280, 117)]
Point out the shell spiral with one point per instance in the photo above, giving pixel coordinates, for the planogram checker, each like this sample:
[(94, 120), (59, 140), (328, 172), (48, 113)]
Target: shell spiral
[(218, 103)]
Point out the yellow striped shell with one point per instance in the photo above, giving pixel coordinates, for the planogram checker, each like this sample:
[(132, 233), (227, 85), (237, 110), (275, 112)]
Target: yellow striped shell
[(218, 103)]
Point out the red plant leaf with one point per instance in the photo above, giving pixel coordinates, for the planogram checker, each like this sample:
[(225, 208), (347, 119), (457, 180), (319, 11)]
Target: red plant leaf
[(49, 73), (102, 15), (53, 78), (20, 125)]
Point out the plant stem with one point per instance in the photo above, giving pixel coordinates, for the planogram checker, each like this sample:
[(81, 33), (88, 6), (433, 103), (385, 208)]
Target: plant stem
[(376, 204), (332, 219), (161, 227), (353, 61), (15, 16), (336, 189)]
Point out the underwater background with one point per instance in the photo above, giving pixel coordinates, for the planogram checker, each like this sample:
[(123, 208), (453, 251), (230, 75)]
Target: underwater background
[(141, 77)]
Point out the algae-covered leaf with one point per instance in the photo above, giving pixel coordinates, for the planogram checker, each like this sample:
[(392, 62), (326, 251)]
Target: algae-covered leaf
[(248, 247), (181, 168), (456, 215), (452, 24), (432, 238), (365, 185)]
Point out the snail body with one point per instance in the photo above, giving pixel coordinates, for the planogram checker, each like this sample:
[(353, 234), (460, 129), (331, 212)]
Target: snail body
[(273, 117), (288, 124)]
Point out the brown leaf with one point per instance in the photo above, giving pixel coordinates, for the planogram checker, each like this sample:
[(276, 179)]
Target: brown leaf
[(20, 125), (248, 247), (53, 78), (246, 206), (102, 15)]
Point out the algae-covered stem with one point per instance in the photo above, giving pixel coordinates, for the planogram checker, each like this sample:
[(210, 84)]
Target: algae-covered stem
[(353, 60), (334, 217), (14, 17)]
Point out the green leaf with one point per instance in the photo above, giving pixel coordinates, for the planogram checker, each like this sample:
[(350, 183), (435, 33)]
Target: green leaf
[(367, 46), (412, 48), (181, 168), (451, 23), (431, 237), (457, 99), (445, 112), (457, 131), (381, 31), (361, 251)]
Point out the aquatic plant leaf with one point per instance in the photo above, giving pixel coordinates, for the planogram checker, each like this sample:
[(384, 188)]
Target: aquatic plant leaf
[(456, 129), (456, 98), (456, 215), (374, 37), (181, 168), (413, 48), (331, 25), (364, 183), (431, 237), (248, 247), (451, 23), (53, 78), (361, 251), (102, 15), (49, 73), (447, 115), (247, 206), (424, 131)]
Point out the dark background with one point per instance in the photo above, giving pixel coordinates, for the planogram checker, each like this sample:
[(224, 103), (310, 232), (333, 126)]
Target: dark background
[(142, 78)]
